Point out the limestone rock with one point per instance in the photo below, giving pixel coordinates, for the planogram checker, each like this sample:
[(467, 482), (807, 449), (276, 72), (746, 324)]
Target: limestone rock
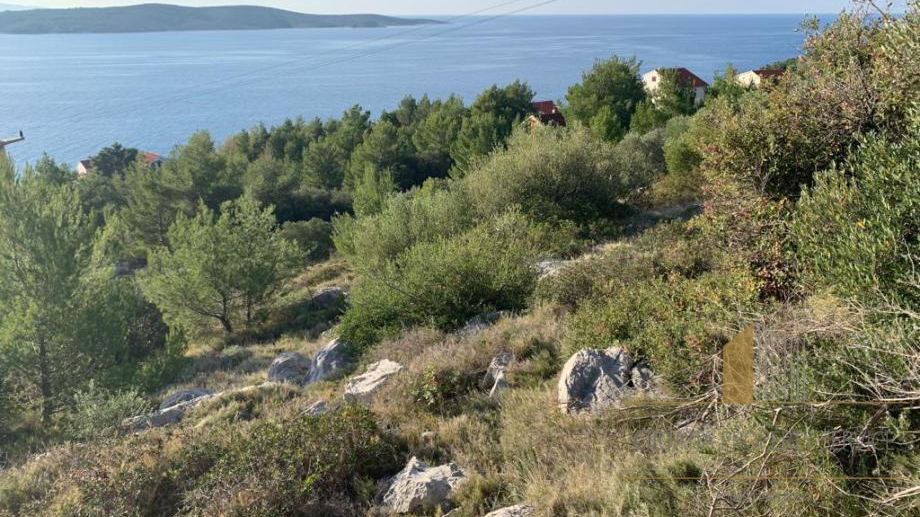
[(642, 377), (498, 365), (550, 267), (520, 510), (363, 387), (330, 363), (501, 384), (170, 415), (479, 323), (316, 409), (329, 297), (184, 396), (420, 488), (289, 367), (599, 379)]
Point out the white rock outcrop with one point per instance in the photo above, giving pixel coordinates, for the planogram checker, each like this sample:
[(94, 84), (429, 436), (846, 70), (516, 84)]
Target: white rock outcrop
[(289, 367), (420, 488), (593, 380), (184, 396), (520, 510), (329, 297), (363, 387), (498, 366), (169, 416), (316, 409), (330, 363)]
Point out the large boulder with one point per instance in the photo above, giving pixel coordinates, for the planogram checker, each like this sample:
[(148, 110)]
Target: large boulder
[(329, 297), (420, 488), (594, 380), (289, 367), (520, 510), (330, 363), (184, 396), (363, 387)]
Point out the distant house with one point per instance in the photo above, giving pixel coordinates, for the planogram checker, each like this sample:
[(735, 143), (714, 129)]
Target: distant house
[(84, 167), (652, 81), (545, 114), (152, 160), (757, 77)]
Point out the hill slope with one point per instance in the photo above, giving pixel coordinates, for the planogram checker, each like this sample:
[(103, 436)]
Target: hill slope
[(162, 17)]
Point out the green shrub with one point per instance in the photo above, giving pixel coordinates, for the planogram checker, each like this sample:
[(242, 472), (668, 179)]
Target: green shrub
[(278, 466), (421, 215), (445, 282), (97, 411), (856, 231), (314, 238), (219, 268), (641, 155), (553, 176), (665, 251), (677, 323), (437, 388), (302, 466)]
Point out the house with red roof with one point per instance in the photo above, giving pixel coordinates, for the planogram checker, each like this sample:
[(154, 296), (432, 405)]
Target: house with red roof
[(652, 81), (546, 113), (152, 160)]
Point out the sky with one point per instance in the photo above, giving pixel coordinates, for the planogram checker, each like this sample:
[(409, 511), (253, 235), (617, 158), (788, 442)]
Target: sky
[(441, 7)]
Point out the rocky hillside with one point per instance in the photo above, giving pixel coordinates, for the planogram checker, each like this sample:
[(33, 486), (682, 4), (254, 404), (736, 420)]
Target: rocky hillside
[(658, 309)]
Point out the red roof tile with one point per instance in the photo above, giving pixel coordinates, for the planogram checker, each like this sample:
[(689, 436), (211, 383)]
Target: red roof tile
[(764, 72), (545, 107), (687, 77)]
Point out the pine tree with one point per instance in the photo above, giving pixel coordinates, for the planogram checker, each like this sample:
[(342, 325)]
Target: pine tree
[(219, 267), (61, 319)]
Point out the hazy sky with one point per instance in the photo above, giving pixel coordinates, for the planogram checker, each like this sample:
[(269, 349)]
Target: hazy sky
[(465, 6)]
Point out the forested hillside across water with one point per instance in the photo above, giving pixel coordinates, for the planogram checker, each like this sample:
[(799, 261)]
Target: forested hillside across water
[(456, 308), (164, 17)]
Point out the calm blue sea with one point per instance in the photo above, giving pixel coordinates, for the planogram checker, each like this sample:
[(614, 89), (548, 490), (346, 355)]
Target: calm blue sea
[(73, 94)]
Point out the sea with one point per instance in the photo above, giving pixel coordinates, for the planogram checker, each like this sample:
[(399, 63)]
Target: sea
[(73, 94)]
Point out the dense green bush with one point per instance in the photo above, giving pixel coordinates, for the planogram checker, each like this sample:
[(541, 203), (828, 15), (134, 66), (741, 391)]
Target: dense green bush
[(555, 176), (307, 466), (279, 466), (418, 216), (856, 230), (448, 280), (314, 237), (97, 411)]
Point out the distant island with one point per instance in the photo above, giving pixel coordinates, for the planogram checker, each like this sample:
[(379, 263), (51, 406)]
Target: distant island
[(11, 7), (163, 17)]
